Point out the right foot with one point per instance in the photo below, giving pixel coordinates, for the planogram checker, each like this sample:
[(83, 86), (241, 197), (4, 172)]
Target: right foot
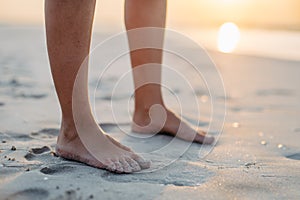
[(111, 155)]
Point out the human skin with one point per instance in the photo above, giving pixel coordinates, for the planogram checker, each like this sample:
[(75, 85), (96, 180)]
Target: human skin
[(68, 29)]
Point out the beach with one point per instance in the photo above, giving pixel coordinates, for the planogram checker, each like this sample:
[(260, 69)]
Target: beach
[(257, 154)]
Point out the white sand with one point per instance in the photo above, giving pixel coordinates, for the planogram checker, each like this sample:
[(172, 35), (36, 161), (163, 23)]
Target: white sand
[(259, 159)]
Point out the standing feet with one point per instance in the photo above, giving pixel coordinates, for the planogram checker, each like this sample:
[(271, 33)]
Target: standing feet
[(159, 119), (111, 155)]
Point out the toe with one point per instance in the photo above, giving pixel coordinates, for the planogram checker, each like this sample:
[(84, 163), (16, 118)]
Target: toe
[(134, 165), (199, 138), (144, 164), (208, 140), (202, 139), (119, 167), (110, 166), (127, 168)]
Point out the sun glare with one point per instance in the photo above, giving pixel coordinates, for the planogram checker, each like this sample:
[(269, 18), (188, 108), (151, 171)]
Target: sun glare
[(228, 37)]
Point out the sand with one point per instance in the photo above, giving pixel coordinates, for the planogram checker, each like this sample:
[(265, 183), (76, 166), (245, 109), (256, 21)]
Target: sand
[(257, 155)]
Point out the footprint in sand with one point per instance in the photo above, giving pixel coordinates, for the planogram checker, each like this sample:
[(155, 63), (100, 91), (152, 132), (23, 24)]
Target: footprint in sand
[(181, 174), (40, 150), (57, 169), (29, 194), (295, 156), (45, 133), (31, 155)]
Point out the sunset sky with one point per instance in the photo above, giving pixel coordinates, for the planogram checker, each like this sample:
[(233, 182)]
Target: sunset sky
[(190, 13)]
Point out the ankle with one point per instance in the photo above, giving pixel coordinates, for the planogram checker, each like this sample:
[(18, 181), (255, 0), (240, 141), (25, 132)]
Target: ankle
[(142, 115), (145, 107), (67, 130)]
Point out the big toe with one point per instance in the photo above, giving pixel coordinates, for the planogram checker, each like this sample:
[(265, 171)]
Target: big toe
[(144, 164), (203, 139), (208, 140)]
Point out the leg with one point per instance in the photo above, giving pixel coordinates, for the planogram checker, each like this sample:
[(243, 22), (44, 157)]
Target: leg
[(68, 29), (145, 13)]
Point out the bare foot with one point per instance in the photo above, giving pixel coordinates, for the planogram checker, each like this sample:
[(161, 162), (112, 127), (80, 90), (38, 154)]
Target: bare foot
[(166, 122), (111, 155)]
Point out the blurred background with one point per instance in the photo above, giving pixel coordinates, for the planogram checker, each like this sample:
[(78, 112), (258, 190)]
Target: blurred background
[(229, 26)]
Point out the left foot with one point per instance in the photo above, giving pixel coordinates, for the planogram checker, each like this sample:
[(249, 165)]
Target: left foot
[(166, 122)]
